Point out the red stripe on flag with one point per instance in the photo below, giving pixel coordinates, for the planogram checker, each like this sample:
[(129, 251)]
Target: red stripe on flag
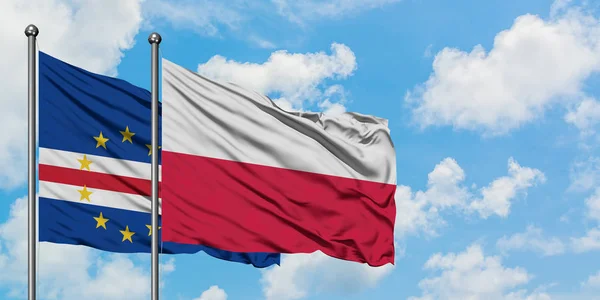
[(96, 180), (243, 207)]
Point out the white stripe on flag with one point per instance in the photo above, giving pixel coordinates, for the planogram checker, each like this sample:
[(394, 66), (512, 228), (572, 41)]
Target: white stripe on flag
[(98, 197), (101, 164), (204, 118)]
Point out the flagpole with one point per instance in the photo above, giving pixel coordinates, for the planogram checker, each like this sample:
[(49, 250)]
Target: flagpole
[(154, 39), (31, 32)]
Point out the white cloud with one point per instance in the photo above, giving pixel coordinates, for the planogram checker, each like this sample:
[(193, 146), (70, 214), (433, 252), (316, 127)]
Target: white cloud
[(472, 275), (427, 53), (108, 282), (532, 239), (301, 11), (332, 109), (75, 31), (420, 211), (211, 17), (68, 271), (262, 43), (334, 100), (302, 274), (444, 185), (593, 282), (533, 65), (415, 214), (201, 16), (589, 242), (496, 197), (523, 295), (559, 6), (216, 18), (585, 174), (297, 78), (585, 116), (592, 204), (166, 267), (213, 293)]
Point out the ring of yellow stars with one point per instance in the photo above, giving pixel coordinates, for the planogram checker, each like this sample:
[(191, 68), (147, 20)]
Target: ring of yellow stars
[(85, 163), (85, 194), (150, 149), (101, 221), (150, 229), (101, 140), (127, 234), (127, 135)]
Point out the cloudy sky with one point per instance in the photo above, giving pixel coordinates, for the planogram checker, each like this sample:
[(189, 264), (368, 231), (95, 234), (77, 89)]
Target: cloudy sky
[(493, 108)]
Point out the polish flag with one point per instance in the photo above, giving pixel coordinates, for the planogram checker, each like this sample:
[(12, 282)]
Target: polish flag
[(241, 174)]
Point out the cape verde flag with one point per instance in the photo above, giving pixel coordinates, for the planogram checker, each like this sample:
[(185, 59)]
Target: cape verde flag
[(94, 165)]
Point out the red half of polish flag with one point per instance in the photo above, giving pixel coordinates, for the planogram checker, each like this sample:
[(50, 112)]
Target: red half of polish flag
[(241, 174)]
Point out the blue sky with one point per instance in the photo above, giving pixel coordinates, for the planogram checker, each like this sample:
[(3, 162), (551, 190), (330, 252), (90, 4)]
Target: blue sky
[(493, 111)]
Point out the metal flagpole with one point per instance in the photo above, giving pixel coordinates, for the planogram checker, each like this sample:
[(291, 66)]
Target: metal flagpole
[(154, 39), (31, 32)]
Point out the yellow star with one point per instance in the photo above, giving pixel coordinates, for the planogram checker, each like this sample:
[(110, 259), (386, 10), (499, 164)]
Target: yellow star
[(127, 234), (101, 141), (85, 163), (150, 149), (101, 221), (127, 135), (85, 194), (150, 229)]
